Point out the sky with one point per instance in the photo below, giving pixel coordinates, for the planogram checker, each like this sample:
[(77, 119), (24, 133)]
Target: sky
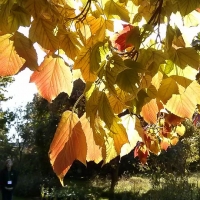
[(20, 90)]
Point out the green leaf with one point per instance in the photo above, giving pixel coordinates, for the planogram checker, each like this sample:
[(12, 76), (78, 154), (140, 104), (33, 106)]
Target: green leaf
[(167, 88), (134, 37), (168, 67), (129, 79), (113, 68), (98, 54), (18, 17), (185, 6), (105, 111), (185, 56), (117, 9)]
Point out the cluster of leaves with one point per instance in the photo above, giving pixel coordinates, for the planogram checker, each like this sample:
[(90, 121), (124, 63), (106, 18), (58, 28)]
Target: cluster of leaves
[(138, 81)]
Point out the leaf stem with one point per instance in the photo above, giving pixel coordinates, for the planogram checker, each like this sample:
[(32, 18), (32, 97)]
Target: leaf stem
[(76, 103)]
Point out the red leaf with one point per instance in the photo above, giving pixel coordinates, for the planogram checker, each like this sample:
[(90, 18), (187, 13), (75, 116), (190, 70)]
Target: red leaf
[(119, 41)]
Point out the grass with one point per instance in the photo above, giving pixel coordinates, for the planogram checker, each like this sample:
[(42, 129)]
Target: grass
[(165, 187)]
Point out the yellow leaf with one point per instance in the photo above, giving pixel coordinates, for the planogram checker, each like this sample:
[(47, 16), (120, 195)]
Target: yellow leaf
[(41, 31), (69, 144), (10, 61), (184, 104), (52, 78), (180, 129), (192, 19), (94, 151), (83, 63), (167, 88), (108, 151), (70, 44), (129, 79), (92, 105), (119, 134), (18, 17), (116, 9)]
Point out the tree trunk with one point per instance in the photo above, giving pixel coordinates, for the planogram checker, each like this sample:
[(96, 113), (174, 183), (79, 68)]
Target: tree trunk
[(115, 164)]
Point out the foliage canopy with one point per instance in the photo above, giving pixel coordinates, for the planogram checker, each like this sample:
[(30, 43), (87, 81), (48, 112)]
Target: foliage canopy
[(140, 70)]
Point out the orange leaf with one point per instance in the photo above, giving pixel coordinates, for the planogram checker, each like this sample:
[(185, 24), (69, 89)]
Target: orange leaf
[(150, 111), (69, 144), (165, 143), (94, 152), (10, 61), (53, 77)]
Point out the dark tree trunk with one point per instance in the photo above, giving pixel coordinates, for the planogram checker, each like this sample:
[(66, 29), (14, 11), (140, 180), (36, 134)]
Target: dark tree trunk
[(115, 164)]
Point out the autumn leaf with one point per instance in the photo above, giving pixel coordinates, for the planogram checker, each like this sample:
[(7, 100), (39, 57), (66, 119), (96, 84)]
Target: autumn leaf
[(119, 134), (10, 61), (70, 44), (183, 105), (128, 122), (42, 32), (52, 78), (113, 8), (94, 152), (69, 144), (150, 111), (26, 50), (120, 41), (82, 62), (167, 88)]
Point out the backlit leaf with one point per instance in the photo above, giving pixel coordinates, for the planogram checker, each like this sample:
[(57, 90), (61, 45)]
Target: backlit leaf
[(184, 104), (94, 152), (167, 88), (129, 79), (70, 44), (133, 137), (116, 9), (83, 63), (180, 129), (10, 61), (186, 6), (105, 110), (69, 144), (41, 31), (52, 78), (150, 111), (185, 56), (25, 49), (119, 134)]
